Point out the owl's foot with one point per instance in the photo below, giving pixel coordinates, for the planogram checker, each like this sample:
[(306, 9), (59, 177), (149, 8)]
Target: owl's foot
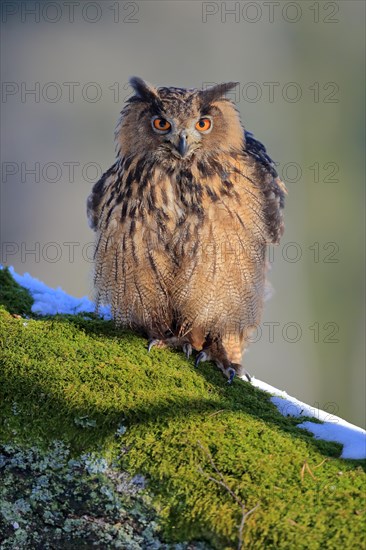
[(229, 369), (172, 342)]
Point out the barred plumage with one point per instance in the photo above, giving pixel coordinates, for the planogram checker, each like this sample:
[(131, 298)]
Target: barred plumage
[(183, 219)]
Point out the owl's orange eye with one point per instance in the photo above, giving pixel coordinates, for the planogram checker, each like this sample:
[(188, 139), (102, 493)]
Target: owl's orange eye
[(203, 124), (161, 124)]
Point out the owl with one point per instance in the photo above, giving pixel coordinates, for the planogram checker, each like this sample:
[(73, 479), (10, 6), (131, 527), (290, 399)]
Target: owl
[(183, 219)]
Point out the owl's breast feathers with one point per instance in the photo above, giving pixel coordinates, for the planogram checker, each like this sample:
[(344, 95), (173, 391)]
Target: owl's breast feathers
[(191, 233), (242, 189)]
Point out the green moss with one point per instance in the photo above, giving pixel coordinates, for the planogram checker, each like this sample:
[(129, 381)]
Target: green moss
[(82, 381), (14, 297)]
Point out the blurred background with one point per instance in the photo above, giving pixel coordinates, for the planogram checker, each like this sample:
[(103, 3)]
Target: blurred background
[(300, 69)]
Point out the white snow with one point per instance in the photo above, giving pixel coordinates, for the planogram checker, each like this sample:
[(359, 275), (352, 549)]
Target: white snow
[(333, 428), (49, 301)]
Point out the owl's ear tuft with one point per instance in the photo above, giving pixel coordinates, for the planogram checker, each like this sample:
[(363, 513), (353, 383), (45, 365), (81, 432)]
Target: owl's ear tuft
[(144, 90), (217, 92)]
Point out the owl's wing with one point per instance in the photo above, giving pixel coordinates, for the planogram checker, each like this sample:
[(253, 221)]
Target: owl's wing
[(274, 189), (97, 200)]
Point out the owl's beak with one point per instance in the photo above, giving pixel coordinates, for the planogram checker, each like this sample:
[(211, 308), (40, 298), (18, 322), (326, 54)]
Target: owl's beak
[(183, 144)]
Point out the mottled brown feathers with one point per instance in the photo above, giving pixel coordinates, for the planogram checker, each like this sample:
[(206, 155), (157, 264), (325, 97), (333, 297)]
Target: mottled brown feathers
[(181, 236)]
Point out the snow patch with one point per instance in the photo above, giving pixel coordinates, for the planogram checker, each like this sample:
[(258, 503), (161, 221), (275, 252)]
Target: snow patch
[(50, 301), (333, 428)]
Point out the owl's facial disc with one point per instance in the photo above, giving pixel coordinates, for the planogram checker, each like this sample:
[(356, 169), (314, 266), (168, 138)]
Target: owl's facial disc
[(182, 140)]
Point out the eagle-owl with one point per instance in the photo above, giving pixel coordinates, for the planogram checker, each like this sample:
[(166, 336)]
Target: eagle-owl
[(183, 219)]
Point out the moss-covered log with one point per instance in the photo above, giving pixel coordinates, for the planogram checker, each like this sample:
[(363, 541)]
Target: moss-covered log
[(205, 453)]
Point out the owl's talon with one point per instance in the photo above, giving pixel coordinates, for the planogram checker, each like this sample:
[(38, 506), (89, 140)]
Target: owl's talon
[(247, 375), (201, 357), (153, 342), (187, 349), (232, 376), (170, 342)]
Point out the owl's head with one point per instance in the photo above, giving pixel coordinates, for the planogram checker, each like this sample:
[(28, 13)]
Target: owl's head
[(178, 124)]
